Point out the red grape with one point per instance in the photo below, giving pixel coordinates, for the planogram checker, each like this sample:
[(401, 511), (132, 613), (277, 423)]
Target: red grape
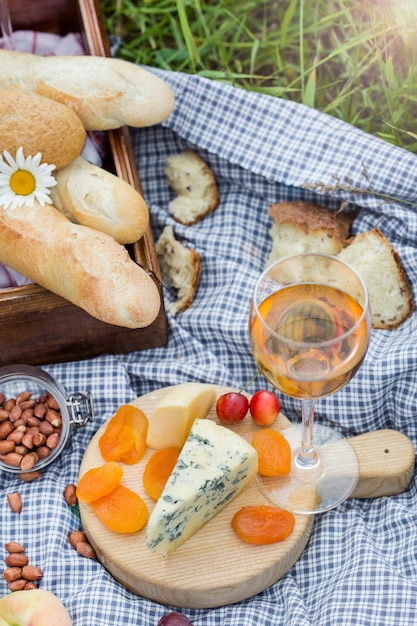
[(264, 407), (174, 619), (232, 407)]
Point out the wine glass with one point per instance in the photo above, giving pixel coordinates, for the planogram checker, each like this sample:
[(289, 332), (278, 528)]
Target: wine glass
[(310, 325), (6, 30)]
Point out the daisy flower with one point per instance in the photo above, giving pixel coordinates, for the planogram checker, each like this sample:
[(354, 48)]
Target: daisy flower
[(24, 180)]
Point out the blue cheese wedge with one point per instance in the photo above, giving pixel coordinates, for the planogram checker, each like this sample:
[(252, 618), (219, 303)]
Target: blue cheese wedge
[(214, 466)]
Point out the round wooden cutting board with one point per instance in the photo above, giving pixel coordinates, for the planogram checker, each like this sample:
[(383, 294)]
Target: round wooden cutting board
[(215, 567), (212, 568)]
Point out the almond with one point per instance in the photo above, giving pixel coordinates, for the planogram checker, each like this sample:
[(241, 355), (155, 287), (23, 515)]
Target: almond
[(28, 477), (28, 461), (12, 458), (86, 550), (17, 585), (16, 559), (23, 396), (30, 572), (15, 501), (54, 418), (40, 410), (15, 413), (52, 441), (76, 537), (69, 495), (30, 585), (53, 403), (4, 415), (6, 446), (13, 546), (5, 429), (12, 573)]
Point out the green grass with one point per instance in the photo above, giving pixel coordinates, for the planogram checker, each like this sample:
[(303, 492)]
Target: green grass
[(353, 59)]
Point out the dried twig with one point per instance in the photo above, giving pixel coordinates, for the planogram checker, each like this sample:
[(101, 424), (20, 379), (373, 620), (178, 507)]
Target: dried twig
[(347, 185)]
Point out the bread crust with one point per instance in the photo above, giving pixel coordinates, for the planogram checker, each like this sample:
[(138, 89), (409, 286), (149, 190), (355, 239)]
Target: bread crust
[(88, 194), (313, 218), (38, 124), (82, 265), (105, 93)]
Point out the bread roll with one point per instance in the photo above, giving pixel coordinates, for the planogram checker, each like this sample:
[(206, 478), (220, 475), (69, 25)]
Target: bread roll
[(305, 227), (195, 185), (89, 195), (180, 269), (38, 124), (390, 295), (106, 93), (88, 268)]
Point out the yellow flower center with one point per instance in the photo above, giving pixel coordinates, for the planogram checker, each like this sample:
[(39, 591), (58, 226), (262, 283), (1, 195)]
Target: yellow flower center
[(22, 182)]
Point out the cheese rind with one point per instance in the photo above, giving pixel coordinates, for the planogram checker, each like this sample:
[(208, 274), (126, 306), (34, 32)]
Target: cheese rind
[(214, 466), (173, 416)]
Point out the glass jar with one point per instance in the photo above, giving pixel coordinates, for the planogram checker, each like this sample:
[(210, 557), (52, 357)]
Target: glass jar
[(33, 387)]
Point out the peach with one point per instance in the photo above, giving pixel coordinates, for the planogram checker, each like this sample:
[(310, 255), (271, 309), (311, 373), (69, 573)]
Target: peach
[(33, 607)]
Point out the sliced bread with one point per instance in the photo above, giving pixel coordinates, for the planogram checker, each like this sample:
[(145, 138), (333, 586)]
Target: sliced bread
[(380, 267), (195, 185), (180, 269), (305, 227)]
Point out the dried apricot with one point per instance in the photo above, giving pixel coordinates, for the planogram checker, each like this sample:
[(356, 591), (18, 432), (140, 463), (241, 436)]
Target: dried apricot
[(158, 470), (99, 481), (263, 524), (274, 452), (124, 438), (122, 510)]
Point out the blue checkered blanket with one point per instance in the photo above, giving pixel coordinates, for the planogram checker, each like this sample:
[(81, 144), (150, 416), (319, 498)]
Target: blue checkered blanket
[(360, 565)]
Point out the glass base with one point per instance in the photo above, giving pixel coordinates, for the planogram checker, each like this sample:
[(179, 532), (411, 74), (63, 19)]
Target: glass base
[(310, 490)]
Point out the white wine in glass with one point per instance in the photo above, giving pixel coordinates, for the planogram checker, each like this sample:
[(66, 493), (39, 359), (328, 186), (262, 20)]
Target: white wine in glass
[(310, 324)]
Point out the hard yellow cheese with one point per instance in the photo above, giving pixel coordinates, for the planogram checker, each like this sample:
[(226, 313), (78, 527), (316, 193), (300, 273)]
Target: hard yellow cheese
[(172, 418)]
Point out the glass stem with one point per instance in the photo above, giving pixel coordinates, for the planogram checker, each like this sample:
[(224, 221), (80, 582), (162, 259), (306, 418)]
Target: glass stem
[(6, 26), (307, 456)]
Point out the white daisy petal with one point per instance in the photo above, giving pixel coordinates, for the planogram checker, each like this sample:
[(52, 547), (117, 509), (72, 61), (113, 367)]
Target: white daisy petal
[(37, 159), (20, 159), (7, 169), (10, 160)]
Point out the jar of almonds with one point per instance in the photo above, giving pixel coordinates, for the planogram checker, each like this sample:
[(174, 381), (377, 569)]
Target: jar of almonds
[(36, 416)]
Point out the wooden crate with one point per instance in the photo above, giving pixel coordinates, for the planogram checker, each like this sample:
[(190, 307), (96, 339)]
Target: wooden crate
[(37, 326)]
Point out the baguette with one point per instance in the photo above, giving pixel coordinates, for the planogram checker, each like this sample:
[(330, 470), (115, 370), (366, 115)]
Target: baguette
[(87, 194), (38, 124), (82, 265), (106, 93)]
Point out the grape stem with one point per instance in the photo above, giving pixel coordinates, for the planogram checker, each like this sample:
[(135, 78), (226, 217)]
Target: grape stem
[(250, 382)]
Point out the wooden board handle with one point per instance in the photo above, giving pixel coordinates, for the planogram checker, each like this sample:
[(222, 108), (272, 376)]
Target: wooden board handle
[(386, 463)]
